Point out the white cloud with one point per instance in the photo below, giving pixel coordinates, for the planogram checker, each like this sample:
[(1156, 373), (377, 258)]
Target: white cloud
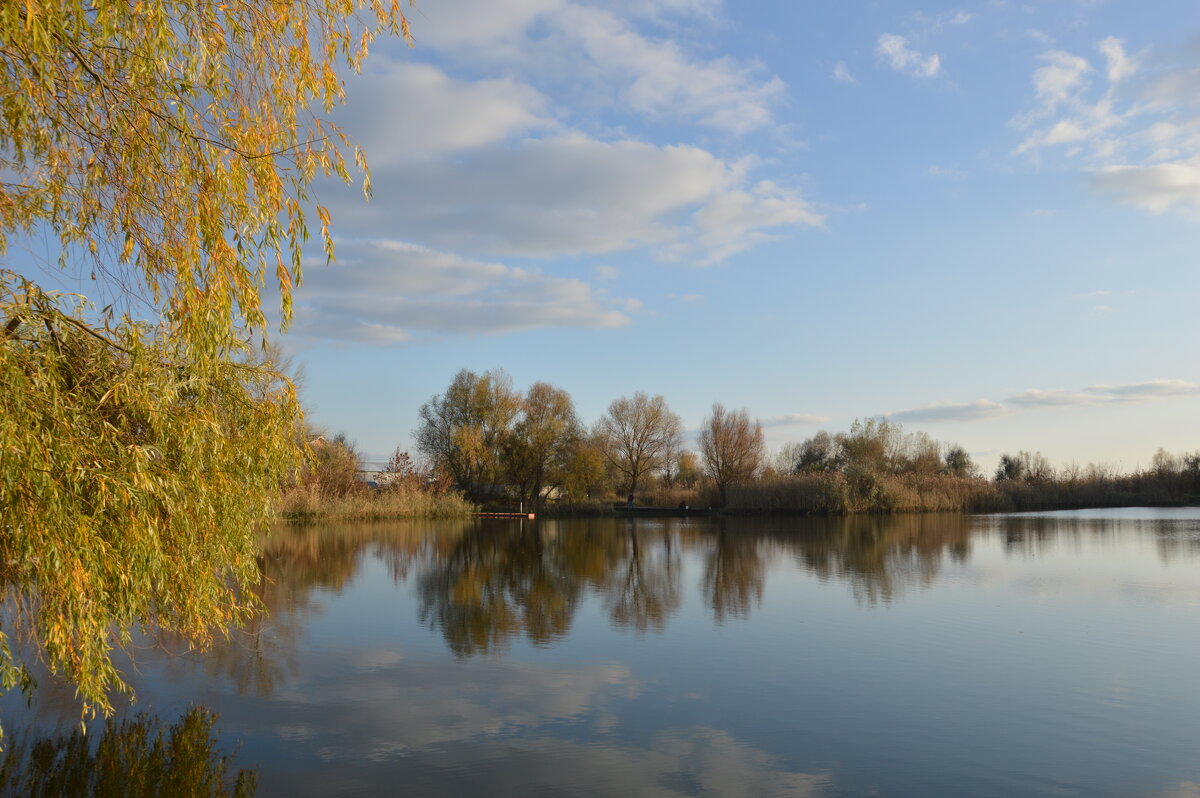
[(1038, 397), (1059, 79), (386, 292), (572, 194), (1156, 188), (1145, 391), (399, 111), (736, 220), (794, 420), (597, 50), (1107, 394), (470, 173), (656, 77), (902, 58), (841, 73), (1139, 132), (951, 411), (661, 10), (982, 409), (1120, 65), (479, 26)]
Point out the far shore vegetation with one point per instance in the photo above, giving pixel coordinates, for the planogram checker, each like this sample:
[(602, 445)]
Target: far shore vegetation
[(484, 445), (333, 488)]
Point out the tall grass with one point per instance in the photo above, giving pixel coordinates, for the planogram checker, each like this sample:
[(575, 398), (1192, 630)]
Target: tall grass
[(307, 502), (581, 507), (1145, 488), (837, 493), (703, 495)]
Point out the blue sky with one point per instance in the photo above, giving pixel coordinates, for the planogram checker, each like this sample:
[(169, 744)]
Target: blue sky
[(981, 219)]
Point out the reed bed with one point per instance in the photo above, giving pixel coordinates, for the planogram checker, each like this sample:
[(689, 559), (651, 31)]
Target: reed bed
[(309, 503), (836, 493)]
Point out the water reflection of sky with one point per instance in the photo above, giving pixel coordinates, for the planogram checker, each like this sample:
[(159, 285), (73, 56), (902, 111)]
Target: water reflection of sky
[(917, 655)]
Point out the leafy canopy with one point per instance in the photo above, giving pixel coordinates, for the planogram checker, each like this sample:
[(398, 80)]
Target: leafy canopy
[(175, 142), (170, 146)]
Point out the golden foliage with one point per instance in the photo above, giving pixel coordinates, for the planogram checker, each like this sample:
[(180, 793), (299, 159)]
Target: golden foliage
[(171, 146), (133, 478), (178, 140)]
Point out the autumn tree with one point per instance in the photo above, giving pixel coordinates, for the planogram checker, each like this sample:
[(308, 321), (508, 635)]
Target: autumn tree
[(542, 441), (731, 445), (468, 429), (871, 446), (815, 454), (333, 468), (639, 434), (584, 471), (687, 470), (167, 150), (1024, 466), (958, 463)]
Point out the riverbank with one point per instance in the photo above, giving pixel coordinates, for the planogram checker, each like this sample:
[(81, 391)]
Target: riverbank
[(836, 493), (827, 494)]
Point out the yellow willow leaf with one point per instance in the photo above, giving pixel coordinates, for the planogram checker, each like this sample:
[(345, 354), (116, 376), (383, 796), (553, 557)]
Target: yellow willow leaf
[(284, 277), (153, 134)]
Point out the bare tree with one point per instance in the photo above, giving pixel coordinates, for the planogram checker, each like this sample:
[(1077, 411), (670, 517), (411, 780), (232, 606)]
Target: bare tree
[(732, 446), (639, 435)]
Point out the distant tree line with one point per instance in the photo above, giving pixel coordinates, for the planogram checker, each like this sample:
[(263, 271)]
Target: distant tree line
[(498, 445), (877, 467)]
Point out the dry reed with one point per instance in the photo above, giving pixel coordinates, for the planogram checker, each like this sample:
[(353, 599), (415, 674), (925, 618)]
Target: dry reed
[(309, 503)]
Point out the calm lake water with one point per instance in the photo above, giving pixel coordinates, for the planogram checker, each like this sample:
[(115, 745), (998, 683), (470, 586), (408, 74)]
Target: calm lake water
[(1050, 654)]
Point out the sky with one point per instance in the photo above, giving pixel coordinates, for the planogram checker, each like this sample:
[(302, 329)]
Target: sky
[(978, 220)]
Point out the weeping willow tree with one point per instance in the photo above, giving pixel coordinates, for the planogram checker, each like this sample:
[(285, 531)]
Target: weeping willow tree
[(166, 150)]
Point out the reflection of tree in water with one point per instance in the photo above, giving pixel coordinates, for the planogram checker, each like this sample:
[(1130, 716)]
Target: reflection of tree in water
[(1031, 535), (511, 580), (644, 589), (503, 581), (733, 573), (1179, 541), (496, 583), (879, 555), (295, 563), (131, 757)]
